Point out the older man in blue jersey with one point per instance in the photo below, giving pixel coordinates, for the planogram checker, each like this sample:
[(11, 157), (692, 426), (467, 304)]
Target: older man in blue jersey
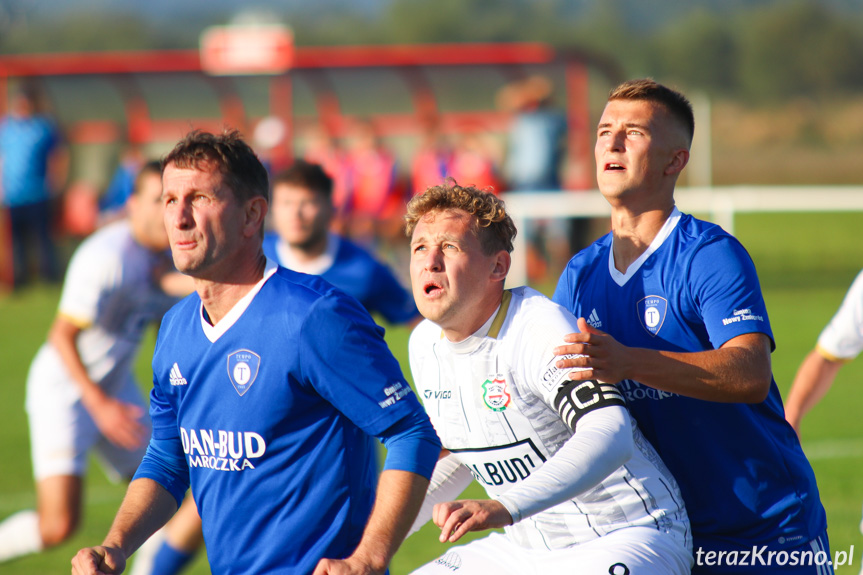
[(301, 213), (675, 317), (267, 384)]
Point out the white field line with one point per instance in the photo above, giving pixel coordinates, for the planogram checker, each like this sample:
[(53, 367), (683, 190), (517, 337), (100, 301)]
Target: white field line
[(848, 448), (11, 502)]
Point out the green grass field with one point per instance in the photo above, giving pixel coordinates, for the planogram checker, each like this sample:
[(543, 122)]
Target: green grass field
[(806, 262)]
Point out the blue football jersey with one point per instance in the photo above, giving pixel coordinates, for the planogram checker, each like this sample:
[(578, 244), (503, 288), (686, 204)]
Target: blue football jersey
[(357, 273), (274, 407), (740, 467)]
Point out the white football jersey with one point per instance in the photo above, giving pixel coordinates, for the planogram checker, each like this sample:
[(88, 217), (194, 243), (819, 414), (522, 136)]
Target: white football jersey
[(110, 293), (492, 399), (842, 338)]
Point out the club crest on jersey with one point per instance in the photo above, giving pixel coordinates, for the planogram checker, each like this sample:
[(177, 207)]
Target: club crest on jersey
[(243, 366), (651, 313), (495, 394)]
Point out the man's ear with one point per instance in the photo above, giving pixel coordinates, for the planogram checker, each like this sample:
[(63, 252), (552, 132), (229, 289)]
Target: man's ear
[(502, 263), (679, 159), (256, 212)]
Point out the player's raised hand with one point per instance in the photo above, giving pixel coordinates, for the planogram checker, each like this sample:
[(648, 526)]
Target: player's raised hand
[(455, 518), (98, 561), (593, 354), (118, 421)]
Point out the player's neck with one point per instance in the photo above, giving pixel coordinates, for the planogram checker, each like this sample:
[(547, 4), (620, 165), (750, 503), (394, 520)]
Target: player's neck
[(309, 251), (634, 232), (219, 297), (469, 323)]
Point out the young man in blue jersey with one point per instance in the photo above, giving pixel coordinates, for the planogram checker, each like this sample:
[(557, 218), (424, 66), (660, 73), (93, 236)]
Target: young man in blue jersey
[(671, 311), (302, 213), (267, 385)]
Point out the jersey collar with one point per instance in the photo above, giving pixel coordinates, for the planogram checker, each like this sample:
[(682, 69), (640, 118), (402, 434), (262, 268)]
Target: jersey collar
[(315, 267), (214, 332), (491, 328), (621, 278)]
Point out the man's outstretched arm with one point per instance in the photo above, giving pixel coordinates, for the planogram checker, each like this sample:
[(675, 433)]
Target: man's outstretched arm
[(400, 494), (814, 378), (739, 371), (145, 508)]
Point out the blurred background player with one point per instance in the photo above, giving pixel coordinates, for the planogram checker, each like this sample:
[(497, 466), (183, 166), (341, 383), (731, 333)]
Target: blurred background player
[(112, 202), (570, 477), (841, 341), (33, 168), (81, 394), (302, 211)]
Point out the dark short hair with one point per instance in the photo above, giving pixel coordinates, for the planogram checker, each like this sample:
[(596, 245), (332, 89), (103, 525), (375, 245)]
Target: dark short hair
[(151, 168), (306, 175), (648, 89), (491, 224), (241, 169)]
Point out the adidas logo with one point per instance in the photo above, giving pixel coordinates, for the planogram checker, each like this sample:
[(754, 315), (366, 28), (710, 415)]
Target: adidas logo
[(176, 377), (593, 320)]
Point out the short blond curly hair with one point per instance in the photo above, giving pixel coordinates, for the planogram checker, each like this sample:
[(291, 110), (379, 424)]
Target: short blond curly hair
[(491, 224)]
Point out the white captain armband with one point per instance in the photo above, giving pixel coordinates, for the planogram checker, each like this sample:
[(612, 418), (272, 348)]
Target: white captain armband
[(576, 398)]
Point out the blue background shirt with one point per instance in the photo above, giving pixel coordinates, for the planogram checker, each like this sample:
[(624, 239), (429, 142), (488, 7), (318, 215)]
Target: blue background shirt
[(25, 147), (357, 273)]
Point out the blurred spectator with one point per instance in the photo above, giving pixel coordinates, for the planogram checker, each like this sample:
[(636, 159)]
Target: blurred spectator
[(80, 211), (535, 152), (474, 162), (33, 167), (374, 205), (113, 201), (537, 136), (432, 162), (270, 138), (322, 149)]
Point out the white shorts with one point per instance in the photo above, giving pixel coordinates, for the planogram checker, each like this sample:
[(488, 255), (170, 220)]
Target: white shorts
[(629, 551), (62, 433)]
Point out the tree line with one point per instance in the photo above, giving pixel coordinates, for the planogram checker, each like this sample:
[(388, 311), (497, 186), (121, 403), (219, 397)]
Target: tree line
[(755, 50)]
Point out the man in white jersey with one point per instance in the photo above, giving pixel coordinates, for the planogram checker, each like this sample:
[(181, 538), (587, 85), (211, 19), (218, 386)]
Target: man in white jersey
[(572, 481), (81, 394), (840, 342)]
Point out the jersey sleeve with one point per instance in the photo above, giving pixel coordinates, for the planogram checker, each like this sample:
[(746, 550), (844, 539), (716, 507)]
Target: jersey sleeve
[(346, 360), (165, 463), (724, 286), (842, 338), (602, 442), (390, 298), (89, 275)]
